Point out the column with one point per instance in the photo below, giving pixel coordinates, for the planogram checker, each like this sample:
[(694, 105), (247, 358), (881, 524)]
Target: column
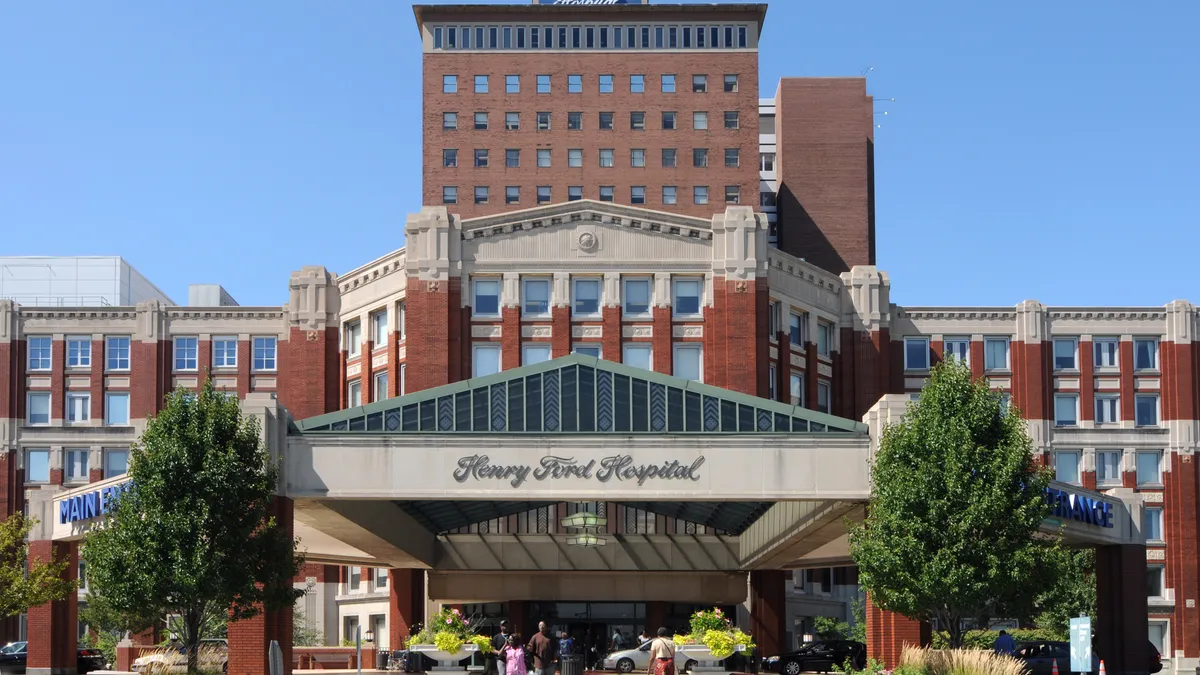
[(307, 354), (888, 633), (250, 639), (511, 338), (406, 604), (560, 317), (768, 610), (53, 628), (1121, 629), (867, 352)]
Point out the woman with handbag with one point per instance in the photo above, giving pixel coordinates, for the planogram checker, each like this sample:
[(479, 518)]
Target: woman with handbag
[(662, 655)]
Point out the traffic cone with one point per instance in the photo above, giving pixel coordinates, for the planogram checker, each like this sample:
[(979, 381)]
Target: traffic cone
[(1054, 667), (1102, 667)]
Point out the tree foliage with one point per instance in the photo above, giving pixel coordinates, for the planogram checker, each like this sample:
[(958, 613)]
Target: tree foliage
[(1073, 594), (829, 628), (193, 536), (44, 583), (956, 501)]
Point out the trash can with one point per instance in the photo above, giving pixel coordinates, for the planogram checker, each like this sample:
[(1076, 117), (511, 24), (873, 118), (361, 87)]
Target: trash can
[(572, 665), (381, 660)]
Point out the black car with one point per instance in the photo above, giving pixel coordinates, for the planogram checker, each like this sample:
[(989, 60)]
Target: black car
[(1040, 657), (820, 656), (14, 656)]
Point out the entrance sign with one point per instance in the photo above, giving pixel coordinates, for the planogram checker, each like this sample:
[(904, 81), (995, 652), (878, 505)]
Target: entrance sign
[(1071, 506), (619, 467), (90, 505), (1081, 645)]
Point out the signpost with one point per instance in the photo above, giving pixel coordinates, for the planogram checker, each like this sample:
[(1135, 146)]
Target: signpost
[(1081, 645), (358, 647)]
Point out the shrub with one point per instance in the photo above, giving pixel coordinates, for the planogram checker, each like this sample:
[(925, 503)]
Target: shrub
[(959, 662), (715, 631), (984, 639)]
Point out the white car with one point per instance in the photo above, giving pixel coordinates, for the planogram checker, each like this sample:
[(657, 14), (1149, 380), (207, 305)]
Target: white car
[(629, 660), (214, 654)]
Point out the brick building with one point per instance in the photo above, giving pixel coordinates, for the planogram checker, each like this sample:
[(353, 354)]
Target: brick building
[(593, 186)]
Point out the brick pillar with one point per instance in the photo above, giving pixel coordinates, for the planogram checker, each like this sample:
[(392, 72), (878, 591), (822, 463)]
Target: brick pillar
[(978, 358), (888, 633), (518, 618), (715, 346), (664, 355), (510, 337), (394, 362), (783, 368), (560, 333), (146, 386), (1087, 384), (610, 341), (812, 375), (53, 628), (203, 362), (9, 626), (58, 381), (245, 362), (406, 604), (367, 378), (250, 639), (739, 345), (768, 610), (96, 380), (429, 312), (1182, 492), (1125, 361), (1121, 630)]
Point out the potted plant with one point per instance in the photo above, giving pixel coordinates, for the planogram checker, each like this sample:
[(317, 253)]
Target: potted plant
[(448, 639), (713, 638)]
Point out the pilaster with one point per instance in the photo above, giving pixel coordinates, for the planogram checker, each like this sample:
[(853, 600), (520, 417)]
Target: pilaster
[(308, 377)]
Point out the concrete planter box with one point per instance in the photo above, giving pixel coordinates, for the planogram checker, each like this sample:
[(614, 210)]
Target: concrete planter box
[(445, 660), (705, 661)]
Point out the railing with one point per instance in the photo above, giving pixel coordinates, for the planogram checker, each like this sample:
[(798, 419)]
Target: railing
[(60, 300)]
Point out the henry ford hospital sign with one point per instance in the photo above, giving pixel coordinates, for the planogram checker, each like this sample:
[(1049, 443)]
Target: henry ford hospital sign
[(616, 467)]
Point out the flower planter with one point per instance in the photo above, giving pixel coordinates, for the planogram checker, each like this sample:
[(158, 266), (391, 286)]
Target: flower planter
[(705, 661), (445, 660)]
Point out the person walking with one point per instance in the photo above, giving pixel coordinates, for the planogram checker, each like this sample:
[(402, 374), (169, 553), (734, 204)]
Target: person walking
[(662, 654), (513, 657), (1004, 644), (566, 649), (492, 662), (541, 645)]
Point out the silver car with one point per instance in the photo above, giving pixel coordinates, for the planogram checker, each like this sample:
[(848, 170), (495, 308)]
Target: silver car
[(638, 658)]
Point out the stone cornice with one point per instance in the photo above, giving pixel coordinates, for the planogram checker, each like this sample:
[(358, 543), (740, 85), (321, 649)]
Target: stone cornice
[(587, 210), (242, 313), (803, 270), (1108, 313), (389, 264), (79, 313), (956, 313)]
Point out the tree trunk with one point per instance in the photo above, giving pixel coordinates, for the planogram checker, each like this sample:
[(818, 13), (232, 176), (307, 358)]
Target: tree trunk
[(192, 621)]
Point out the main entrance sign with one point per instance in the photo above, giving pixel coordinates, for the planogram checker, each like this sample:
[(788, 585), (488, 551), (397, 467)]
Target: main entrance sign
[(618, 467), (90, 505), (1071, 506)]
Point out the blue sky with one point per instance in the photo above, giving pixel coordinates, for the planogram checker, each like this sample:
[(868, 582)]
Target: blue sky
[(1035, 150)]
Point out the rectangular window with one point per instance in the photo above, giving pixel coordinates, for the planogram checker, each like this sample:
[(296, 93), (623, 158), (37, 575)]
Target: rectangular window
[(606, 121), (1149, 467), (449, 194), (381, 573), (512, 121), (825, 338), (481, 121), (668, 84), (437, 38), (512, 84), (79, 408), (823, 397), (1066, 466), (512, 194), (485, 360), (728, 36), (733, 157), (38, 407), (637, 84), (506, 37), (1064, 354), (1155, 584), (449, 157), (673, 37), (916, 353), (574, 84), (645, 37), (1108, 467), (76, 465), (562, 37), (543, 158), (590, 34), (116, 409), (732, 119), (186, 353), (1066, 410), (606, 157), (714, 36), (606, 84), (957, 348), (574, 121), (731, 82), (37, 466), (669, 158), (354, 394), (773, 319), (1145, 354), (512, 158), (543, 121), (742, 37), (767, 199), (604, 37), (403, 378), (1104, 352), (796, 388), (766, 161), (116, 352), (1146, 410), (685, 300), (379, 388), (995, 353), (669, 194), (733, 194), (668, 121), (636, 295), (352, 338), (687, 37), (1152, 523), (575, 157), (585, 297), (637, 194), (449, 84), (449, 121), (481, 158), (1108, 410), (699, 120), (607, 193), (700, 157), (796, 323), (638, 355), (264, 353), (700, 37), (587, 350), (543, 84), (482, 193), (39, 352), (699, 84), (617, 37), (689, 362), (700, 194), (485, 299), (658, 37), (535, 353), (637, 157), (543, 194), (772, 378), (79, 352), (574, 193), (535, 297), (637, 121)]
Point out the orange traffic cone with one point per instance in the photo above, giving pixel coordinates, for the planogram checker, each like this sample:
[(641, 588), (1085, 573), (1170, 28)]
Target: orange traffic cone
[(1102, 667), (1054, 667)]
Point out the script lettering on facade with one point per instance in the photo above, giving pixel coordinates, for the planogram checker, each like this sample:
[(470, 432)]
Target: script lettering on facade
[(616, 467)]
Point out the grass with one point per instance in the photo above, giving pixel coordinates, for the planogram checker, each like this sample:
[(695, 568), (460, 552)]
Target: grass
[(210, 661), (914, 661)]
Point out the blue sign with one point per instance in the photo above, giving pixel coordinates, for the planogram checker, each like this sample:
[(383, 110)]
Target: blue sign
[(1082, 509), (90, 504), (1081, 645)]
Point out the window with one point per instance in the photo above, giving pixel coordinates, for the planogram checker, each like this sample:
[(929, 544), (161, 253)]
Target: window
[(352, 338), (543, 194), (1152, 523), (481, 158), (512, 158), (637, 157), (381, 574), (37, 466), (379, 388), (116, 351), (668, 194), (957, 348), (772, 387), (512, 121), (766, 161), (587, 350), (700, 194), (481, 84), (1104, 352), (574, 193), (825, 338), (264, 353), (995, 353), (543, 84), (773, 319), (1066, 466), (733, 157), (685, 299), (637, 194), (186, 353), (76, 461), (1108, 410), (116, 409), (636, 294), (1108, 467), (1154, 581), (823, 397), (354, 394), (1159, 631), (606, 121), (637, 121), (731, 84), (538, 353), (486, 297), (38, 408), (543, 158), (731, 119), (1146, 410), (350, 625), (699, 84), (669, 156), (535, 297), (916, 353), (637, 84), (699, 120), (449, 194), (79, 408), (668, 121), (512, 194), (700, 157), (481, 194), (485, 360), (512, 84), (767, 199), (585, 297), (574, 84), (449, 157), (689, 362), (449, 121), (796, 331), (668, 84), (1149, 467), (1066, 410), (575, 157), (733, 194), (606, 84), (742, 39), (1064, 354), (79, 352), (607, 193), (606, 157), (449, 84), (1145, 354), (796, 388), (574, 121), (638, 355), (481, 121)]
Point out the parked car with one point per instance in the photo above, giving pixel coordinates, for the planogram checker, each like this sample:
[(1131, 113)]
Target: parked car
[(214, 654), (1040, 657), (821, 657), (14, 657), (638, 658)]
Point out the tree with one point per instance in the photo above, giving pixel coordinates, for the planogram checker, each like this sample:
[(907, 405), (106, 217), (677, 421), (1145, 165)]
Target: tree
[(956, 501), (1073, 595), (43, 583), (193, 535), (108, 625)]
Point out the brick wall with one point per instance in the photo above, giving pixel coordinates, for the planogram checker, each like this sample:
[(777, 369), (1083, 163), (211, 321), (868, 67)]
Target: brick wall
[(55, 621), (308, 377), (768, 610)]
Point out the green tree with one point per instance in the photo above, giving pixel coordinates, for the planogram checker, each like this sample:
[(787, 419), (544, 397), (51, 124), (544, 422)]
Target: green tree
[(43, 583), (1073, 594), (956, 501), (193, 537)]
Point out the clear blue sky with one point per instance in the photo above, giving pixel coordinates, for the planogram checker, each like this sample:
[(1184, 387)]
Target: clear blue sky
[(1042, 150)]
